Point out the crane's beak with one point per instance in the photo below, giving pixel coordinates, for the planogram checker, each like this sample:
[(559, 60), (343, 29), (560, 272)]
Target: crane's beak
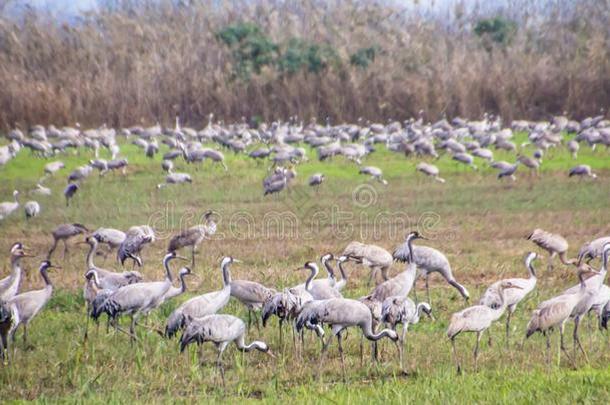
[(52, 266), (270, 354), (182, 258), (236, 261)]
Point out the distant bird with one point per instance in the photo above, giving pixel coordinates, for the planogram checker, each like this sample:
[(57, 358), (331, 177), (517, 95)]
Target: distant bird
[(375, 173), (70, 191), (193, 236), (429, 170), (513, 296), (252, 295), (276, 182), (509, 171), (80, 173), (137, 299), (554, 244), (106, 279), (374, 257), (477, 318), (32, 209), (315, 180), (173, 292), (176, 178), (42, 190), (167, 165), (135, 239), (286, 305), (201, 305), (430, 260), (53, 167), (553, 313), (7, 207), (465, 158), (64, 232), (220, 330), (9, 286), (573, 147), (25, 306), (582, 171), (340, 313), (531, 163)]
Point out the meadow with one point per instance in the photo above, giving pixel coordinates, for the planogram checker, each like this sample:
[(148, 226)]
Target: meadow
[(478, 221)]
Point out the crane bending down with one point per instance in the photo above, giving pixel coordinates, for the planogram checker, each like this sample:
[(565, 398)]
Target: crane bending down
[(477, 318), (220, 330), (554, 244), (513, 296), (341, 313), (430, 260), (374, 257), (193, 236)]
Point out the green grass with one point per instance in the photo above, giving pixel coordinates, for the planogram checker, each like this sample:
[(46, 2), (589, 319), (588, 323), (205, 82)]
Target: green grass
[(479, 222)]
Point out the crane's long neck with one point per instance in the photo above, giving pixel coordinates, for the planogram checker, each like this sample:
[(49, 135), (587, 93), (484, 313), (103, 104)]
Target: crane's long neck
[(92, 249), (368, 332), (329, 269), (96, 279), (312, 276), (168, 273), (226, 275), (45, 277), (256, 344), (342, 270), (183, 283), (410, 248), (530, 269), (604, 267), (16, 264)]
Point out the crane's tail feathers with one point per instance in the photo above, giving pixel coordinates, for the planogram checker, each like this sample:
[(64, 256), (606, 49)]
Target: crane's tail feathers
[(175, 322)]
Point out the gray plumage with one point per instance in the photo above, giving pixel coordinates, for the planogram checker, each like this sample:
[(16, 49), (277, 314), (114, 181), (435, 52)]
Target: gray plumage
[(193, 236), (374, 257), (554, 244), (402, 310), (9, 286), (429, 170), (220, 330), (70, 191), (135, 239), (582, 171), (591, 250), (108, 280), (465, 158), (375, 173), (319, 289), (176, 178), (201, 305), (316, 179), (32, 209), (8, 207), (430, 260), (63, 233)]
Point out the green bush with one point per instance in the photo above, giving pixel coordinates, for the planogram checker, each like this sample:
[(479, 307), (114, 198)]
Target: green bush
[(497, 29), (299, 54), (363, 57)]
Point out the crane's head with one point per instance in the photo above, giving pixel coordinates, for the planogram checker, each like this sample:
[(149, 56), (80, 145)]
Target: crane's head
[(326, 257), (228, 260), (90, 274), (343, 259), (17, 246), (46, 265), (173, 255), (185, 271), (414, 235), (20, 250)]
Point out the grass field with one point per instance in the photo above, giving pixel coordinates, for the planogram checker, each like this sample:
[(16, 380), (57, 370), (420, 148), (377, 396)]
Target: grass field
[(479, 222)]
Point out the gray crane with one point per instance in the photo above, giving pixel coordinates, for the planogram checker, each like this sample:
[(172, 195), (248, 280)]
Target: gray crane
[(110, 237), (70, 192), (193, 236), (509, 171), (137, 299), (592, 285), (176, 291), (25, 306), (135, 239), (582, 171), (591, 250), (429, 170), (554, 244), (108, 280), (220, 330), (8, 207), (573, 147), (553, 313), (478, 319), (340, 313), (202, 305), (175, 178), (375, 173), (63, 233), (513, 296), (316, 180), (32, 209), (465, 158), (319, 291), (252, 295), (374, 257), (430, 260)]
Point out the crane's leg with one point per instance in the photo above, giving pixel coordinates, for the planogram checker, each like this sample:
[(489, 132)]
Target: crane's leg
[(507, 328), (249, 319), (548, 349), (551, 257), (476, 351), (339, 338), (193, 257), (219, 365), (63, 258), (455, 356), (372, 276), (25, 336), (428, 289), (201, 354), (132, 328), (577, 340), (87, 311), (323, 354), (361, 350), (562, 345)]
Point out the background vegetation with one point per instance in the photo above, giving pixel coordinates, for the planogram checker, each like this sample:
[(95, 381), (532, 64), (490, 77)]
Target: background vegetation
[(141, 61)]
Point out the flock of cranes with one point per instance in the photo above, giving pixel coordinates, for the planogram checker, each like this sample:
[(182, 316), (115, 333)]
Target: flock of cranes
[(468, 143), (318, 304)]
